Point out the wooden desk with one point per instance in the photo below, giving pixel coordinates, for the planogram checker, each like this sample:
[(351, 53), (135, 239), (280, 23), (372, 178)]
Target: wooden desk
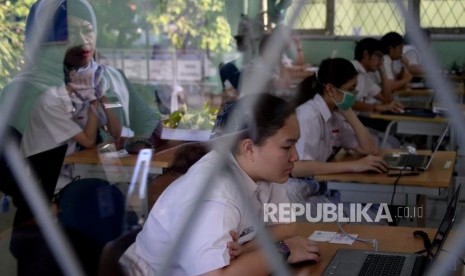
[(402, 118), (413, 92), (413, 125), (409, 92), (410, 190), (89, 163), (92, 157), (396, 239)]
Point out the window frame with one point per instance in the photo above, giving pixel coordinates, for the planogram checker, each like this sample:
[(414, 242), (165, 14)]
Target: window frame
[(413, 5)]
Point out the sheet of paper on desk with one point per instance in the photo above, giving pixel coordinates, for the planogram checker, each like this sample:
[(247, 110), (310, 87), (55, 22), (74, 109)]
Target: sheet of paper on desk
[(343, 238), (322, 236), (115, 154)]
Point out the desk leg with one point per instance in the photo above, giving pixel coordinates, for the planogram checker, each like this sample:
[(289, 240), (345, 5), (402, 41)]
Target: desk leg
[(421, 202)]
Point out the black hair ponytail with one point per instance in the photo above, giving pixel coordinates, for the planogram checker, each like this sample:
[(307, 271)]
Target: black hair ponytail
[(307, 89)]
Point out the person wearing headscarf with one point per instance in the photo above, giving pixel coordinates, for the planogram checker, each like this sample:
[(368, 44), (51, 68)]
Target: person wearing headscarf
[(47, 43), (60, 45)]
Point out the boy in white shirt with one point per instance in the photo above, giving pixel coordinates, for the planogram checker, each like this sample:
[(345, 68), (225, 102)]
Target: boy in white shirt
[(371, 96), (399, 76)]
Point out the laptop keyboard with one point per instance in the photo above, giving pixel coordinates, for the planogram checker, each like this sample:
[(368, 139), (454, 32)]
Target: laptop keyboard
[(411, 160), (378, 264)]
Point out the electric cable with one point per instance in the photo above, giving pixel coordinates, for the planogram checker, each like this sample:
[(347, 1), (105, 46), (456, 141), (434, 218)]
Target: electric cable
[(372, 242)]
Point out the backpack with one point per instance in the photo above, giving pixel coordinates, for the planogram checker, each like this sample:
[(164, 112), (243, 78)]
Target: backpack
[(91, 211)]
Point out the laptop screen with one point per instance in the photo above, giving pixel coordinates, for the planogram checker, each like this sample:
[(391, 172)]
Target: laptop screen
[(438, 144), (446, 224)]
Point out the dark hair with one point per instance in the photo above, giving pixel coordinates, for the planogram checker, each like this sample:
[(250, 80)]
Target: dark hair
[(391, 39), (257, 116), (368, 44), (187, 155), (240, 42), (336, 71)]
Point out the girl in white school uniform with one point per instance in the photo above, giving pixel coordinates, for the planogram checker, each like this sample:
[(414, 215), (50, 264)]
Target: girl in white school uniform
[(262, 157), (328, 123)]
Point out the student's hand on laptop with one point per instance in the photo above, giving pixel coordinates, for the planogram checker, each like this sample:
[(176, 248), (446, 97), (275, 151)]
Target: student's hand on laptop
[(302, 250), (393, 106), (370, 163), (396, 107)]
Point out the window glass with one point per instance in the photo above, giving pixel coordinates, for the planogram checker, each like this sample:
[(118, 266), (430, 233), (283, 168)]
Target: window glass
[(375, 17), (312, 15), (442, 14)]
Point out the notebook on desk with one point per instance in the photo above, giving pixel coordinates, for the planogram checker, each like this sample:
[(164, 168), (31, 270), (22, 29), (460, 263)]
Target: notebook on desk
[(403, 160), (365, 262)]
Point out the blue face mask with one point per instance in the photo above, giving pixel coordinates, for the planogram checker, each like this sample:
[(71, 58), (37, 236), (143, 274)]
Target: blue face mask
[(348, 99)]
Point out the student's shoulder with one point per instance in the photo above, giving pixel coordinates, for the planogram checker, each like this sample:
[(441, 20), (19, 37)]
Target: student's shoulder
[(55, 92), (199, 171), (309, 109), (54, 98), (110, 70), (408, 48)]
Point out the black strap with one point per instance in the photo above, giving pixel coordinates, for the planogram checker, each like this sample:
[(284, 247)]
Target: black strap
[(426, 242)]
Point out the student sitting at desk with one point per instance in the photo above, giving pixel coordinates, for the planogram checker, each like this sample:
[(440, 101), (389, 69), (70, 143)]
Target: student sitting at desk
[(371, 97), (398, 74), (262, 156), (327, 122), (411, 57)]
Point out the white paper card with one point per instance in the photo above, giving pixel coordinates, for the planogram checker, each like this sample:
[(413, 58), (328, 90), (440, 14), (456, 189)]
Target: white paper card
[(343, 238), (115, 154), (322, 236)]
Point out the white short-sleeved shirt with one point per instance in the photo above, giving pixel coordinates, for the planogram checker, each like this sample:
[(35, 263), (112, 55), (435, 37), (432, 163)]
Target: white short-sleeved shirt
[(222, 210), (411, 54), (322, 130), (51, 123), (367, 88), (391, 67)]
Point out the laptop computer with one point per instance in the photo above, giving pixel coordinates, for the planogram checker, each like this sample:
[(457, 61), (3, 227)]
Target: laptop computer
[(418, 107), (419, 102), (421, 162), (361, 262), (414, 112)]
